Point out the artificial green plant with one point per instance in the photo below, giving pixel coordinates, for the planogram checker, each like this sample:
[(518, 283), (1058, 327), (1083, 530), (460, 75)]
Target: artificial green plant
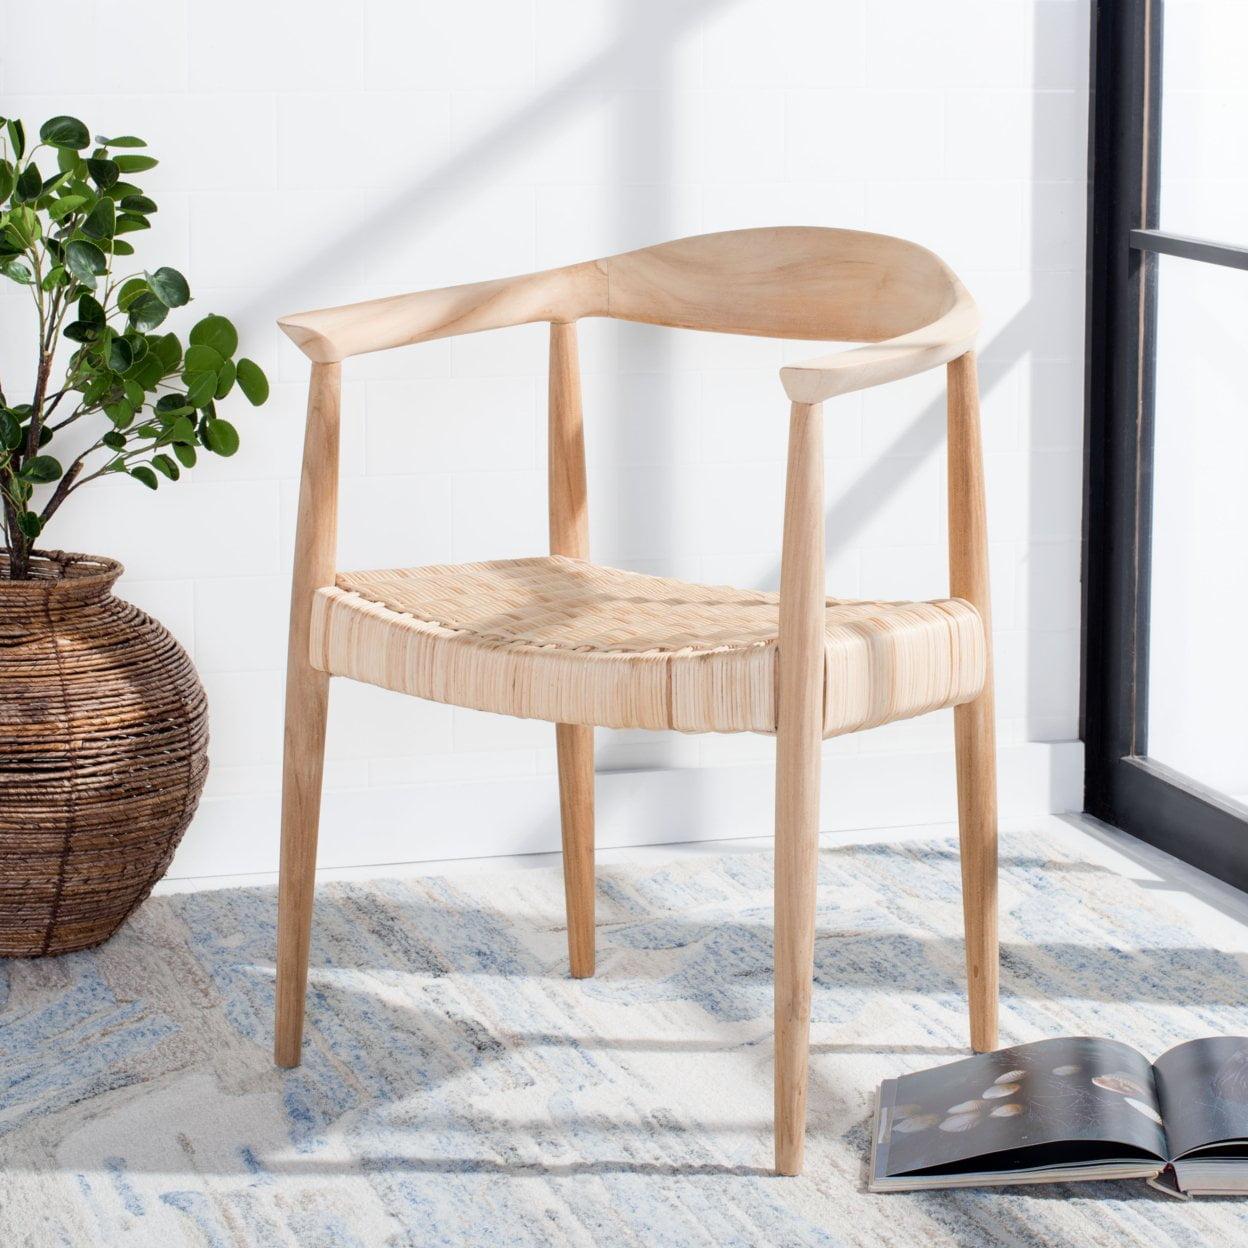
[(152, 400)]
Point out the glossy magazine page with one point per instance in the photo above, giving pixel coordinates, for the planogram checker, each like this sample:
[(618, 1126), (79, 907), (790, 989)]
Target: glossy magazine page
[(1073, 1101)]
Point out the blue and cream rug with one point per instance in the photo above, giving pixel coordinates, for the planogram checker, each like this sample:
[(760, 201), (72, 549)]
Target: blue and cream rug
[(459, 1089)]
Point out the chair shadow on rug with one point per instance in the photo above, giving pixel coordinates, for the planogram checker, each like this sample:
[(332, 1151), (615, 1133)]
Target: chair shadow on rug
[(846, 957)]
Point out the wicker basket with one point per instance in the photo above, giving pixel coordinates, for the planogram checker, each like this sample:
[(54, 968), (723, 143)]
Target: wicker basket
[(103, 754)]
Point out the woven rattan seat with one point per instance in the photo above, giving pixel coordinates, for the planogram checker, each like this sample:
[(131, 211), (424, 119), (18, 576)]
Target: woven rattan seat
[(577, 643)]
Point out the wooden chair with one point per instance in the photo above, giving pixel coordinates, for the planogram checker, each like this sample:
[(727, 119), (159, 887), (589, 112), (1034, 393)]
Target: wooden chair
[(562, 639)]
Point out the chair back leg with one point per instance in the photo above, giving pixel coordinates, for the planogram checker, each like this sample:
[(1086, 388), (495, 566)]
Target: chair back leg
[(307, 699), (574, 743), (799, 740), (974, 722)]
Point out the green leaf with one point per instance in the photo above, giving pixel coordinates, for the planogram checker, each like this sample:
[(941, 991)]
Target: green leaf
[(252, 382), (149, 372), (23, 227), (103, 172), (54, 277), (169, 349), (130, 222), (7, 180), (146, 475), (181, 431), (30, 524), (220, 437), (17, 270), (122, 140), (42, 468), (85, 261), (10, 430), (68, 161), (101, 220), (119, 190), (130, 290), (60, 208), (163, 464), (146, 312), (185, 453), (170, 287), (134, 392), (172, 404), (201, 388), (29, 182), (225, 379), (17, 137), (121, 248), (137, 203), (135, 164), (65, 132), (90, 309), (114, 441), (120, 355), (120, 413), (82, 331), (201, 358), (218, 333)]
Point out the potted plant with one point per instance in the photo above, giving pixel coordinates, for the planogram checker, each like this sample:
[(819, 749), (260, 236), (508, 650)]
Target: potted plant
[(103, 722)]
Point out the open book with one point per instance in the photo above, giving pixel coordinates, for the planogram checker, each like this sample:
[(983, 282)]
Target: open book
[(1061, 1110)]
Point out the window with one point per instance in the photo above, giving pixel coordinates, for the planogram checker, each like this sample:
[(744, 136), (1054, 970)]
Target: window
[(1166, 497)]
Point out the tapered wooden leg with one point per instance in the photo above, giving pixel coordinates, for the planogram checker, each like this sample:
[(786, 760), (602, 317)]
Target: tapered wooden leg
[(974, 725), (574, 745), (800, 711), (975, 738), (307, 699), (307, 696)]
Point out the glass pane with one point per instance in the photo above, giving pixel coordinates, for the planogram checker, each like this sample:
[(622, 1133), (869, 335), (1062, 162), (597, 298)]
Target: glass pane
[(1198, 634), (1204, 119)]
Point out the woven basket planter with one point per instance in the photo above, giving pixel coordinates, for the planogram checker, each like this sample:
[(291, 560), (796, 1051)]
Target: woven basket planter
[(103, 754)]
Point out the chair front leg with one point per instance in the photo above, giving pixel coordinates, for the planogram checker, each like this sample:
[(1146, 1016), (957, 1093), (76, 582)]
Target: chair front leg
[(800, 713), (974, 722), (307, 701)]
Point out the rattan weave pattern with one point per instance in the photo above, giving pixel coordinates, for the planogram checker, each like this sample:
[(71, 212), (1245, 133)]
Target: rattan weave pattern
[(103, 754), (574, 642)]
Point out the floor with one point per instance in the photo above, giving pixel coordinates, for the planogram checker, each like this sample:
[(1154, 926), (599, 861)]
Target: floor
[(457, 1087), (1200, 896)]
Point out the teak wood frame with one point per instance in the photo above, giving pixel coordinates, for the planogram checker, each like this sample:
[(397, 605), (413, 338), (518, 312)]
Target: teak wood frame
[(792, 282)]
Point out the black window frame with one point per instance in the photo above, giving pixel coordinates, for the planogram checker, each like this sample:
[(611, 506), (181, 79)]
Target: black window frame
[(1123, 786)]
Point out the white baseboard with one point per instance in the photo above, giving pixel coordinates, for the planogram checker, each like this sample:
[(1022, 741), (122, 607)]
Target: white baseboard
[(520, 815)]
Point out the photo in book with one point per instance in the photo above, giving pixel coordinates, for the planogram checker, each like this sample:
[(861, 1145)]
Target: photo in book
[(1063, 1110)]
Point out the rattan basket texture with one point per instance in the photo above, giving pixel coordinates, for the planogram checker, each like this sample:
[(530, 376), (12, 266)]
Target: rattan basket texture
[(103, 754)]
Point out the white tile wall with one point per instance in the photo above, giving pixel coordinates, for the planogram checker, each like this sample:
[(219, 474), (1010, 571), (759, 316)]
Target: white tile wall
[(316, 152)]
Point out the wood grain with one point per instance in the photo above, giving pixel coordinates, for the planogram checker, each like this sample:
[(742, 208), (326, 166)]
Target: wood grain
[(974, 722), (798, 740), (307, 697), (574, 743), (559, 638)]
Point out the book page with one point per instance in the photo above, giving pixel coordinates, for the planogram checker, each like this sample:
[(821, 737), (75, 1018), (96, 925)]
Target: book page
[(1088, 1098), (1203, 1091)]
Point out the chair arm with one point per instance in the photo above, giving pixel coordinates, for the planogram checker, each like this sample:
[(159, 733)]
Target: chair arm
[(332, 334), (943, 340)]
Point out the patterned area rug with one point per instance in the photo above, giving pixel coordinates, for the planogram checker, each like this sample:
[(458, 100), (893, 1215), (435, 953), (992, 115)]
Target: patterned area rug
[(459, 1089)]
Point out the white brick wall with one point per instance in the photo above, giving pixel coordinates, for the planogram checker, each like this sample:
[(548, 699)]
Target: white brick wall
[(317, 152)]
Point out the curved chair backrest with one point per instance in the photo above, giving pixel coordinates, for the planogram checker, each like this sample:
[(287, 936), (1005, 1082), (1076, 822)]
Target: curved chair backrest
[(804, 282), (785, 282)]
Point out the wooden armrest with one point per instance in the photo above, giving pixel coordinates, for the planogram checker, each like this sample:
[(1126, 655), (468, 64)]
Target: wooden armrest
[(332, 334), (943, 340)]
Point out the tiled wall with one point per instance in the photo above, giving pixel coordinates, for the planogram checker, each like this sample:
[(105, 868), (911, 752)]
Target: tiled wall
[(317, 152)]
